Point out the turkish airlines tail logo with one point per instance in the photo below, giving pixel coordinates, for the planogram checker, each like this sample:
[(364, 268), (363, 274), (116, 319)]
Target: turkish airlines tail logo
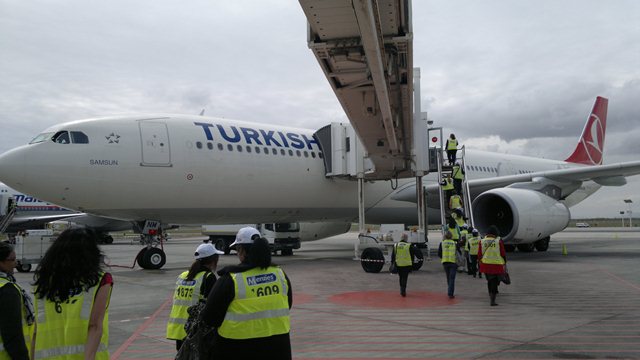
[(589, 148)]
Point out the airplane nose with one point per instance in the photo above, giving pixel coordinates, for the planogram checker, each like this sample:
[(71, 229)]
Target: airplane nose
[(12, 167)]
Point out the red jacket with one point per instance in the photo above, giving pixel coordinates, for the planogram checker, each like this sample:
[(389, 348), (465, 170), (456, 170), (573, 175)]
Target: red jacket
[(493, 269)]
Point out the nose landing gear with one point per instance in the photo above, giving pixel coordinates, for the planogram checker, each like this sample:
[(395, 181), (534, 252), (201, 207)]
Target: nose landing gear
[(152, 257)]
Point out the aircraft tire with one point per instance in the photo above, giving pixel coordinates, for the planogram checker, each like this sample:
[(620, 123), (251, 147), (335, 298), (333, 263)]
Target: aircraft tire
[(418, 261), (23, 267), (140, 257), (372, 260), (287, 252), (542, 244), (108, 239), (154, 259), (526, 247)]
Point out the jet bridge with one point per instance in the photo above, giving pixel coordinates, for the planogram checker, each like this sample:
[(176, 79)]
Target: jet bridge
[(365, 50)]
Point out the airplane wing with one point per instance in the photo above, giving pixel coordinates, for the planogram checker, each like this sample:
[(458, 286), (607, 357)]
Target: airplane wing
[(35, 222), (365, 49), (565, 181)]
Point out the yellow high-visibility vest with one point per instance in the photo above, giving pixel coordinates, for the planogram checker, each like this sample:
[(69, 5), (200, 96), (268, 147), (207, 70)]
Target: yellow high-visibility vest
[(448, 251), (455, 202), (260, 307), (455, 233), (27, 330), (452, 144), (187, 293), (62, 326), (448, 184), (472, 245), (403, 254), (491, 251), (456, 173)]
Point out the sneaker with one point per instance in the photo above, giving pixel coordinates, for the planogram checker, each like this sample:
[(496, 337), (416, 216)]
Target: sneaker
[(452, 296)]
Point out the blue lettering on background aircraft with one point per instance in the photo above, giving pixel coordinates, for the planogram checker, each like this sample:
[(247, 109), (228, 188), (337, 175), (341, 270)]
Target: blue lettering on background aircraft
[(24, 198), (251, 136)]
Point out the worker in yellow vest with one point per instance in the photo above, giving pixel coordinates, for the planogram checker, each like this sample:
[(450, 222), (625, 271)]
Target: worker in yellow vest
[(447, 187), (473, 241), (493, 258), (458, 216), (453, 228), (402, 256), (16, 310), (452, 148), (457, 174), (72, 295), (249, 304), (192, 286), (455, 201), (447, 252)]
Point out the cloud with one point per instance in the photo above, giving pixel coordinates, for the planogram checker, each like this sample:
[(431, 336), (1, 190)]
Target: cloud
[(514, 77)]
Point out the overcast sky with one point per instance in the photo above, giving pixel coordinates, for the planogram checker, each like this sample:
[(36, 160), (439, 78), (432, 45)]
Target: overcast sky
[(518, 77)]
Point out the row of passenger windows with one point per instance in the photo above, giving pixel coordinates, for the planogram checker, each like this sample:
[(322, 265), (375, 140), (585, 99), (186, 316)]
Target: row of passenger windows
[(524, 171), (483, 168), (260, 150)]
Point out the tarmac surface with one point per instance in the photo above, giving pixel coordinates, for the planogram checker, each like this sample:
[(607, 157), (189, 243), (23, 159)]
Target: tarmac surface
[(582, 305)]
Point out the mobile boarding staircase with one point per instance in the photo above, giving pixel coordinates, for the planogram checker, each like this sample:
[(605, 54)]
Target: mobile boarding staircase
[(7, 212)]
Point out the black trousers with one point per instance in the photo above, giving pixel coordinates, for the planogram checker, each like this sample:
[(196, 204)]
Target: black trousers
[(403, 275), (493, 281), (472, 264), (457, 185), (451, 156)]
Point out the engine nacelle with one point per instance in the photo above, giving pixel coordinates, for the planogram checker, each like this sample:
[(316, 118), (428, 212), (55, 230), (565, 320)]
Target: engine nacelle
[(521, 215)]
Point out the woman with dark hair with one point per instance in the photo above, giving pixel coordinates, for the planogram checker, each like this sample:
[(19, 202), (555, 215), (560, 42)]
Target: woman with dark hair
[(72, 298), (249, 304), (192, 286), (16, 314), (492, 258)]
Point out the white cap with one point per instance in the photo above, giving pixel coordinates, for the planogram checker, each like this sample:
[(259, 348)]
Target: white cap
[(245, 236), (206, 250)]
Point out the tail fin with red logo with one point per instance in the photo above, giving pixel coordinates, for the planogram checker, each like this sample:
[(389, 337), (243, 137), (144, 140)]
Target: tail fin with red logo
[(589, 148)]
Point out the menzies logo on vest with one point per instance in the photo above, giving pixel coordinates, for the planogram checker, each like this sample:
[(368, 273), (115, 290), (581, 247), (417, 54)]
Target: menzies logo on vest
[(261, 279), (251, 136)]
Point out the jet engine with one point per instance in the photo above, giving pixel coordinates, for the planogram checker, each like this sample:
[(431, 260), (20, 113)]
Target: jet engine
[(521, 215)]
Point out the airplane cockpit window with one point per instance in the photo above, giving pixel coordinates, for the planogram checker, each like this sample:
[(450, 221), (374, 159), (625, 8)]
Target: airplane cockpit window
[(78, 137), (41, 138), (61, 137)]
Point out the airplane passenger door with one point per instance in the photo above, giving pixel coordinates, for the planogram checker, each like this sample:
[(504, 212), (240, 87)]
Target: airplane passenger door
[(154, 138)]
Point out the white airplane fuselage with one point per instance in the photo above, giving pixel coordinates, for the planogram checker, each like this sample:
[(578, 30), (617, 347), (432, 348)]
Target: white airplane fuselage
[(196, 170)]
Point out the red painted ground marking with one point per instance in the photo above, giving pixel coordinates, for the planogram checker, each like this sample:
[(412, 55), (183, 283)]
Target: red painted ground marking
[(301, 299), (392, 299), (620, 280), (140, 329)]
